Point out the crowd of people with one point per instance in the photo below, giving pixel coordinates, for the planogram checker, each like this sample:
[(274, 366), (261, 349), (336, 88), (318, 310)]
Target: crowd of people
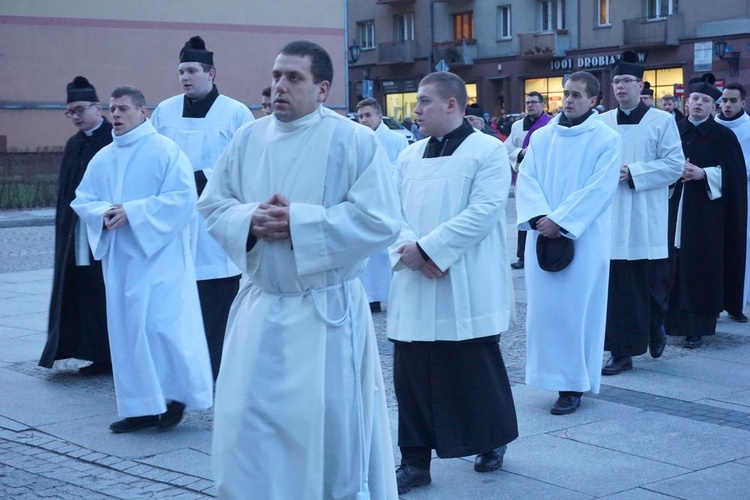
[(209, 259)]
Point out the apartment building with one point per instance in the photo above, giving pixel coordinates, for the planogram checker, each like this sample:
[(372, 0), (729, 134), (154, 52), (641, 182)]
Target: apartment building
[(45, 44), (506, 48)]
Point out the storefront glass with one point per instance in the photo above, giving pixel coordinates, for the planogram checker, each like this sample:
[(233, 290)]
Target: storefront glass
[(550, 88), (663, 82), (400, 105)]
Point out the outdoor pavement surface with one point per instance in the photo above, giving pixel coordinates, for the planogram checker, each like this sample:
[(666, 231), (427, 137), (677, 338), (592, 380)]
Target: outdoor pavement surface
[(674, 427)]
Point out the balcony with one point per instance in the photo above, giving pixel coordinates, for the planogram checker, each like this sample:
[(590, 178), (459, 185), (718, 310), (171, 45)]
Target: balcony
[(396, 52), (456, 53), (545, 45), (644, 32)]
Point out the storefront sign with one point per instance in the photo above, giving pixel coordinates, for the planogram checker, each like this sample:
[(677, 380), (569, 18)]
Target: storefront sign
[(589, 62), (399, 86)]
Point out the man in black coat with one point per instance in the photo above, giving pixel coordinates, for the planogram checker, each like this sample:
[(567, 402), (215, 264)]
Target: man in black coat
[(77, 314), (707, 220)]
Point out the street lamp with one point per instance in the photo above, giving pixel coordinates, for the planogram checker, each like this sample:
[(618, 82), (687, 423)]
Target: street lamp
[(724, 52), (354, 50)]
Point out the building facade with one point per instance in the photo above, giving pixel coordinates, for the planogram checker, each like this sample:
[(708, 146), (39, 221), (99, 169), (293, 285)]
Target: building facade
[(506, 48), (45, 44)]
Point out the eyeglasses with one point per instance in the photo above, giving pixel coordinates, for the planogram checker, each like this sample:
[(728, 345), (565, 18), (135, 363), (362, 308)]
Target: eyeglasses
[(532, 102), (624, 81), (78, 111)]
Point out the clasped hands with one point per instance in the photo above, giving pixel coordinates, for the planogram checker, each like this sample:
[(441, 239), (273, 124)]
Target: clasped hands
[(115, 217), (412, 258), (692, 172), (270, 221), (547, 228)]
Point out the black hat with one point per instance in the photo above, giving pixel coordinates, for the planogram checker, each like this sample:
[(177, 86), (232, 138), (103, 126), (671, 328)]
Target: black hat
[(195, 51), (705, 85), (473, 110), (81, 90), (554, 254), (628, 64), (647, 90)]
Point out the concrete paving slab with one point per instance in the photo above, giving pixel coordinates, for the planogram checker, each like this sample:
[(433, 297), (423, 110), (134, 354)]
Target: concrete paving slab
[(184, 460), (667, 439), (725, 325), (26, 277), (455, 479), (730, 480), (584, 468), (28, 288), (30, 321), (13, 332), (637, 494), (23, 305), (739, 354), (744, 461), (16, 350), (737, 401), (711, 370), (667, 384)]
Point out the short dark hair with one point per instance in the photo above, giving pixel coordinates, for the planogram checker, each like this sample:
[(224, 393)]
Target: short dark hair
[(128, 90), (736, 86), (266, 92), (534, 93), (447, 85), (667, 97), (321, 66), (589, 80), (370, 101)]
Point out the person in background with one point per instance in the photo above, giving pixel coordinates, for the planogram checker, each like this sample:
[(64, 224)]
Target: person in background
[(265, 101)]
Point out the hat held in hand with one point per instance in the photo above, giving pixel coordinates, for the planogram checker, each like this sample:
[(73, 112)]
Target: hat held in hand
[(554, 254)]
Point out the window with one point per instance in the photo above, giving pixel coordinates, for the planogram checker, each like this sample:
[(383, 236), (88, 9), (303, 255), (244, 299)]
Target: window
[(463, 26), (560, 23), (656, 9), (366, 34), (404, 24), (545, 15), (503, 23), (603, 17)]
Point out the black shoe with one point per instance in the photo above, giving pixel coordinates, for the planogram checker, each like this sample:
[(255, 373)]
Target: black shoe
[(656, 345), (692, 342), (408, 477), (132, 424), (565, 404), (375, 307), (517, 264), (490, 461), (616, 366), (739, 318), (96, 369), (173, 416)]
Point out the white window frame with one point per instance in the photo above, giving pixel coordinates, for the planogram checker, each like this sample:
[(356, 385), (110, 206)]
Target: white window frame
[(404, 26), (607, 11), (544, 12), (504, 22), (560, 21), (654, 8), (366, 34)]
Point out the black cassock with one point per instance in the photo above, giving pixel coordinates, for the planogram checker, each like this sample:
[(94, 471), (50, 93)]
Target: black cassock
[(709, 267), (77, 325)]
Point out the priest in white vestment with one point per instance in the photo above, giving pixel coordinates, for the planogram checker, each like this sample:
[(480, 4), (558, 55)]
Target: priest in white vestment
[(376, 276), (137, 200), (202, 122), (565, 188), (734, 117), (299, 200)]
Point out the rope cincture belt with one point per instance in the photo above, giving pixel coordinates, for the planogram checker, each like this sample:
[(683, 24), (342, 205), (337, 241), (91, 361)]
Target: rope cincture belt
[(357, 351)]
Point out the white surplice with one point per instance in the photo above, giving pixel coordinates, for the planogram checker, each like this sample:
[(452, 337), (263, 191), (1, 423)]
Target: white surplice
[(652, 150), (741, 128), (203, 140), (156, 337), (454, 206), (300, 404), (376, 276), (570, 175)]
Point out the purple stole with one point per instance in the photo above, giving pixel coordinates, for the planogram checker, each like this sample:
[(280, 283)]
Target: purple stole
[(540, 122)]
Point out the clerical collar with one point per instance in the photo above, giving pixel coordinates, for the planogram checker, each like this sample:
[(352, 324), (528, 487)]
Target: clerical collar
[(733, 118), (566, 122), (447, 144), (91, 131), (632, 116), (198, 108), (696, 123)]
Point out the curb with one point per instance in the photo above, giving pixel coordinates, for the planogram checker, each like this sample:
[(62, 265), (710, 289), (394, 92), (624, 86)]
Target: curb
[(27, 222)]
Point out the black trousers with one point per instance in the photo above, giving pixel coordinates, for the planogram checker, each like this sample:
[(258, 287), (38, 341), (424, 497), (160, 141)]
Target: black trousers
[(521, 246), (636, 304), (680, 322), (453, 397), (216, 298)]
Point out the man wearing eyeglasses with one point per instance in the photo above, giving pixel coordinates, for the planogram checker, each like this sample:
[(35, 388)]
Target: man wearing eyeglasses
[(202, 122), (77, 325), (651, 160), (517, 143)]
